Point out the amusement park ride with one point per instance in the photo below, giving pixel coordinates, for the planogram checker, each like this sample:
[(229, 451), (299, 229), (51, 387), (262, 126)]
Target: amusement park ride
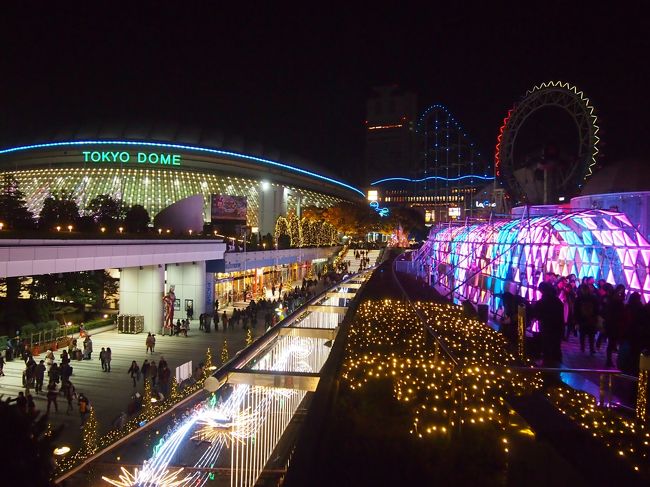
[(560, 178), (482, 260)]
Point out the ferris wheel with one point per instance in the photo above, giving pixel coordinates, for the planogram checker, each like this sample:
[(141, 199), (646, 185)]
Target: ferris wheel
[(568, 177)]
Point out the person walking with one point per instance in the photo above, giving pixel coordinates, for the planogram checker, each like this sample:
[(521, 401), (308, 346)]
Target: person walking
[(66, 371), (84, 408), (149, 343), (586, 316), (145, 369), (614, 322), (165, 375), (134, 370), (21, 402), (54, 374), (40, 375), (52, 395), (65, 358), (107, 358), (224, 320), (161, 363), (2, 365), (88, 348), (31, 406), (69, 393), (549, 310), (153, 372), (102, 358)]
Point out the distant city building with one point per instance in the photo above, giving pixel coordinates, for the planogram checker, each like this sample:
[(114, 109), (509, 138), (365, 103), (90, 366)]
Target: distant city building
[(390, 133), (448, 176)]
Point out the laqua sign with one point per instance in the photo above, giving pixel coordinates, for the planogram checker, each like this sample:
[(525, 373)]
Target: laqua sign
[(123, 157)]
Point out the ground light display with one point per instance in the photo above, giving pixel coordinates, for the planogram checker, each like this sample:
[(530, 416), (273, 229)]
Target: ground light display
[(464, 380), (240, 419), (480, 262), (444, 390)]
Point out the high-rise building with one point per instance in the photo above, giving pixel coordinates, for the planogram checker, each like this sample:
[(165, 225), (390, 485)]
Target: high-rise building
[(390, 133), (448, 179)]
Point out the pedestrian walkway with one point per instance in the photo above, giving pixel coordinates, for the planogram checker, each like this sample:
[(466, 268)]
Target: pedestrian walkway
[(355, 262), (110, 393)]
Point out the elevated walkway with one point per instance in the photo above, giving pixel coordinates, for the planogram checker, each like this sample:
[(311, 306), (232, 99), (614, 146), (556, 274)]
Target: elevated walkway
[(32, 257)]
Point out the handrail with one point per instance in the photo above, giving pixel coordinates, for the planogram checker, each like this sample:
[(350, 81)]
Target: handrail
[(422, 319), (615, 372), (221, 374), (308, 444)]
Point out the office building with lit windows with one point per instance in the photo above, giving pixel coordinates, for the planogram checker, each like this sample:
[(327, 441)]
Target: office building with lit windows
[(158, 173)]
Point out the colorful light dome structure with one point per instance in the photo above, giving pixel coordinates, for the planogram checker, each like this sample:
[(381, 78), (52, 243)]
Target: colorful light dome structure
[(480, 262)]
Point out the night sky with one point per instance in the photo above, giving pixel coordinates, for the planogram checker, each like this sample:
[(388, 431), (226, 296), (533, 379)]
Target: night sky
[(297, 79)]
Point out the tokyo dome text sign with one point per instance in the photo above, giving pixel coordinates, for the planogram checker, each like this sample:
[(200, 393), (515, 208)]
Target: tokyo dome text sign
[(122, 157)]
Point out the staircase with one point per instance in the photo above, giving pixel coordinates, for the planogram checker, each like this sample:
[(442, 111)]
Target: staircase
[(355, 263)]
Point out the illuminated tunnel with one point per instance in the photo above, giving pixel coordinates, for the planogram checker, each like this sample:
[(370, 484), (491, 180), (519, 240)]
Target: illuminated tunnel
[(480, 262)]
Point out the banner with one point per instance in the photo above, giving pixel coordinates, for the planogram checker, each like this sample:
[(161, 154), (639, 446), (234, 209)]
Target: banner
[(225, 207), (184, 371)]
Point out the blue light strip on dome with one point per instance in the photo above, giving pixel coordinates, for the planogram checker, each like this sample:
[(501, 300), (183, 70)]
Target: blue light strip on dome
[(182, 147), (468, 176)]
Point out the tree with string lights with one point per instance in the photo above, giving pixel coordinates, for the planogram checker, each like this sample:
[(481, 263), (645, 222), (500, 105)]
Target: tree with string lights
[(207, 366), (224, 352), (89, 438)]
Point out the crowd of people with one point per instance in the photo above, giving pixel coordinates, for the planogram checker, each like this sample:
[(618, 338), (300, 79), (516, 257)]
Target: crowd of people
[(593, 313), (271, 309), (57, 376), (51, 378)]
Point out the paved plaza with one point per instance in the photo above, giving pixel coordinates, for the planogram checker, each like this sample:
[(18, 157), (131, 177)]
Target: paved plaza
[(110, 393)]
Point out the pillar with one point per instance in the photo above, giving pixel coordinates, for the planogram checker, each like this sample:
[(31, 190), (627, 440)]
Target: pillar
[(189, 280), (141, 292), (209, 292), (272, 203)]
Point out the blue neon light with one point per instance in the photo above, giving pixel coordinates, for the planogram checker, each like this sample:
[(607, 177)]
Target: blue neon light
[(469, 176), (382, 212), (183, 147)]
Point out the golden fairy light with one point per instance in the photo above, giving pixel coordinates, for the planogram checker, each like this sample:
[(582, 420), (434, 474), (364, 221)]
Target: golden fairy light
[(229, 428), (143, 477)]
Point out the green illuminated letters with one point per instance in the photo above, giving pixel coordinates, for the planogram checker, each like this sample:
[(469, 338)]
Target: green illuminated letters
[(125, 157)]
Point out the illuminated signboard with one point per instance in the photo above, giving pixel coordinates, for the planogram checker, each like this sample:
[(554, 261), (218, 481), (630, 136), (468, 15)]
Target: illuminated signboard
[(485, 204), (123, 157), (382, 211), (373, 195), (454, 211)]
